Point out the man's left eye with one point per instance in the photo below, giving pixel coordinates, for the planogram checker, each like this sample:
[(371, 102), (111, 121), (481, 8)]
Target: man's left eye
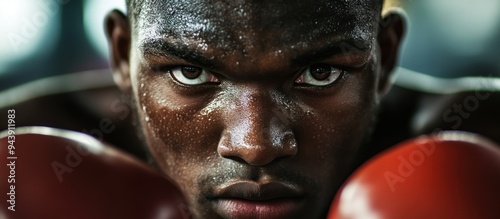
[(319, 75), (190, 75)]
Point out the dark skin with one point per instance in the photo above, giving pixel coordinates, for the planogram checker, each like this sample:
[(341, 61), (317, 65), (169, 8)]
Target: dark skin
[(277, 97)]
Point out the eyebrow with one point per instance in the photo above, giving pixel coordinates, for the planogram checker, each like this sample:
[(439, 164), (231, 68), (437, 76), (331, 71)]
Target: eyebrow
[(343, 48), (161, 48)]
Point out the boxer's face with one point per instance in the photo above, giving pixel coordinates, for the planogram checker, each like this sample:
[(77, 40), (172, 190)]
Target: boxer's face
[(257, 109)]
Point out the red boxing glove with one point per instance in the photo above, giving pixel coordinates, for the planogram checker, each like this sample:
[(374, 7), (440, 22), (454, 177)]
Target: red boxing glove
[(448, 175), (50, 173)]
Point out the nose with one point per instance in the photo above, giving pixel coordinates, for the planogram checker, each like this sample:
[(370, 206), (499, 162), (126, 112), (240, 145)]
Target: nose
[(257, 130)]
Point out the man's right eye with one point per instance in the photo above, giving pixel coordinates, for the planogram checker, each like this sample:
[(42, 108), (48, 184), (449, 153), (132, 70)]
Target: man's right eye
[(189, 75)]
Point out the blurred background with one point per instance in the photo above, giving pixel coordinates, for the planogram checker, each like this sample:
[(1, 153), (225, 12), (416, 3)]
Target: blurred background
[(452, 38), (40, 38)]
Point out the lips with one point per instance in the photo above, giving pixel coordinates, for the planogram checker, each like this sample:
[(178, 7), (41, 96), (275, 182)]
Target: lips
[(248, 199)]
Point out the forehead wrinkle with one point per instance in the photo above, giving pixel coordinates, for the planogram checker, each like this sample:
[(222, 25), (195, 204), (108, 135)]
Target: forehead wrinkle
[(196, 21), (305, 20), (303, 25), (253, 28), (185, 12)]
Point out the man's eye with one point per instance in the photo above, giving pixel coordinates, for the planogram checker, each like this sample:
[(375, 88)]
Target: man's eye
[(319, 75), (189, 75)]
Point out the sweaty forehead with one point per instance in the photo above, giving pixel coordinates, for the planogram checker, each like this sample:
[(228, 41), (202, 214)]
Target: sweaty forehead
[(241, 24)]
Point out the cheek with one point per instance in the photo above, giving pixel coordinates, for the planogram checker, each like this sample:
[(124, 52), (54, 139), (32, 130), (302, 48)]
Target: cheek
[(332, 132), (180, 139)]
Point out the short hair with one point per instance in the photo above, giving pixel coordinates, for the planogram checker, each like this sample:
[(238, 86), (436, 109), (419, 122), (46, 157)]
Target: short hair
[(134, 7), (387, 3)]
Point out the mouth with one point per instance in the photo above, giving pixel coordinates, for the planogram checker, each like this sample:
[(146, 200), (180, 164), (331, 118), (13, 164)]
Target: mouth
[(248, 199)]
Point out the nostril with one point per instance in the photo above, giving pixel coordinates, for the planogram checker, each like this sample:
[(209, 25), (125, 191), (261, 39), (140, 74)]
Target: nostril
[(225, 151), (258, 151), (256, 156), (236, 158), (290, 145)]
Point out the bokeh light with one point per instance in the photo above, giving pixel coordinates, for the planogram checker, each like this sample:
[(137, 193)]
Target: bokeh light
[(466, 27), (29, 29)]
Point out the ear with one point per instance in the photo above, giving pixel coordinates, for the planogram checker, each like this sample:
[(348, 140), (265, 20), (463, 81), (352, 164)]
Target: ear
[(392, 29), (119, 38)]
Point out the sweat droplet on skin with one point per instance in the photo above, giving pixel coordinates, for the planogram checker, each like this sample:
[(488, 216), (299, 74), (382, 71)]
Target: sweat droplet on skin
[(162, 101)]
